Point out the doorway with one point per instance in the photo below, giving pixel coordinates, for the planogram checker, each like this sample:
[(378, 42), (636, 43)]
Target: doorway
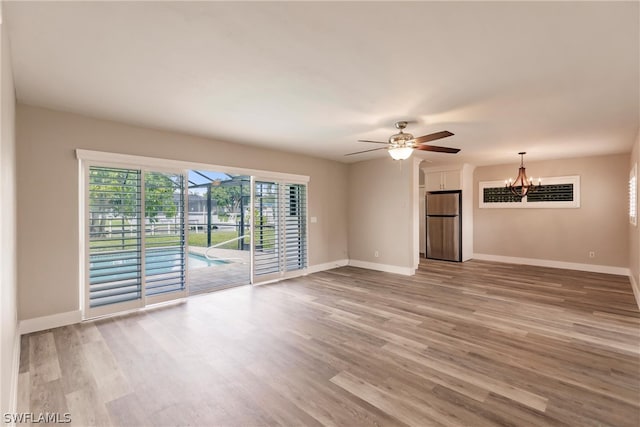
[(218, 230)]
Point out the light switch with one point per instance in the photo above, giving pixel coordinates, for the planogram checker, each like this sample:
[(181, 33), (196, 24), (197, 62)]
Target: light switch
[(314, 219)]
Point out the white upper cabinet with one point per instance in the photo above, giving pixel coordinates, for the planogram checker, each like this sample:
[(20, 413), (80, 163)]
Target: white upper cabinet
[(443, 180)]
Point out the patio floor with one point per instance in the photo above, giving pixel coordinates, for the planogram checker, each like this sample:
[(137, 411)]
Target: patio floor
[(235, 272)]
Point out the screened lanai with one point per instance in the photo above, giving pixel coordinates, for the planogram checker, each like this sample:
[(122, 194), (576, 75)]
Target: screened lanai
[(218, 230)]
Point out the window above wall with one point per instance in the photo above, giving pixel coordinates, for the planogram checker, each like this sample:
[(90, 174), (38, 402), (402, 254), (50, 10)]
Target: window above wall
[(555, 192)]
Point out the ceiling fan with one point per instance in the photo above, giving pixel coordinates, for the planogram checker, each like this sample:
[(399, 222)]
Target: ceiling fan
[(401, 145)]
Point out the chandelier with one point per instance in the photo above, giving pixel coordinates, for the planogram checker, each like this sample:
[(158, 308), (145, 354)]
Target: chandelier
[(522, 185)]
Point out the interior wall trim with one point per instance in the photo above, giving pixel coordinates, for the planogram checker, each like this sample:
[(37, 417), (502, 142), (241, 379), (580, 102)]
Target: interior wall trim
[(327, 266), (405, 271), (636, 289), (593, 268), (47, 322), (15, 372)]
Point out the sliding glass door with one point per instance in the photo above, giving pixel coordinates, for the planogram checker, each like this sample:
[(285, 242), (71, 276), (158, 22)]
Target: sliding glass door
[(279, 229), (137, 229), (135, 238)]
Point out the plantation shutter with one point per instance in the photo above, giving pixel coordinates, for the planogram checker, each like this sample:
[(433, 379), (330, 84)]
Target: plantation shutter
[(295, 230), (136, 251), (165, 264), (115, 209), (280, 228), (266, 228)]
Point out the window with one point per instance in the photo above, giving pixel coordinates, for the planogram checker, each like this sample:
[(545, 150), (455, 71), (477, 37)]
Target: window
[(555, 192), (633, 195)]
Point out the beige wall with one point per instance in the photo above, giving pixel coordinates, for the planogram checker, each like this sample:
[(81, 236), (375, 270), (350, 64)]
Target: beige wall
[(634, 230), (566, 235), (8, 309), (381, 212), (48, 195)]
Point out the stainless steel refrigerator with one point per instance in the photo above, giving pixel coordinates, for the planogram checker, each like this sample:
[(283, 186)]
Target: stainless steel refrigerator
[(444, 225)]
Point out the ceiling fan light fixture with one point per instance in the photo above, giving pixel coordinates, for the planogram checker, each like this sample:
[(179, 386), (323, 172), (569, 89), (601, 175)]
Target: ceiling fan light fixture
[(401, 145), (400, 153)]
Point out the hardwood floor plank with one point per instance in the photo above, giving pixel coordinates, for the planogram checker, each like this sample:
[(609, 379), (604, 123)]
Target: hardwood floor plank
[(110, 381), (480, 380), (374, 360), (76, 373), (44, 365), (406, 411), (88, 408), (24, 354), (47, 397), (127, 411), (24, 393)]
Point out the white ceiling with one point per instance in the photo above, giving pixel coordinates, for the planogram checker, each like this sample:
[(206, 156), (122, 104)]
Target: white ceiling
[(553, 79)]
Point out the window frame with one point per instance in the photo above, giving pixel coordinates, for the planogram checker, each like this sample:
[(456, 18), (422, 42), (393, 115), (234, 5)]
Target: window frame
[(524, 204)]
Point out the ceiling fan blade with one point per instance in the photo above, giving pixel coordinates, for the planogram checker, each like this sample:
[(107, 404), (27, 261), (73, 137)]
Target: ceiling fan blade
[(375, 142), (432, 137), (366, 151), (437, 149)]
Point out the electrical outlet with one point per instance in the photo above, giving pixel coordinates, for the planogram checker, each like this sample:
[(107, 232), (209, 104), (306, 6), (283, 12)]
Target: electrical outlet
[(592, 254), (376, 254)]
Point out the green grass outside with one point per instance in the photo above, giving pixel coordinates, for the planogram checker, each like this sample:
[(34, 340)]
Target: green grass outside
[(195, 239)]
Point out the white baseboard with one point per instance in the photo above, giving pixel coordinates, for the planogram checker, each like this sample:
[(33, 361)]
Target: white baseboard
[(593, 268), (15, 372), (406, 271), (47, 322), (636, 289), (327, 266)]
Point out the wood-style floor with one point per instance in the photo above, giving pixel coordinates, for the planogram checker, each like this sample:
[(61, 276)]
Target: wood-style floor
[(470, 344)]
